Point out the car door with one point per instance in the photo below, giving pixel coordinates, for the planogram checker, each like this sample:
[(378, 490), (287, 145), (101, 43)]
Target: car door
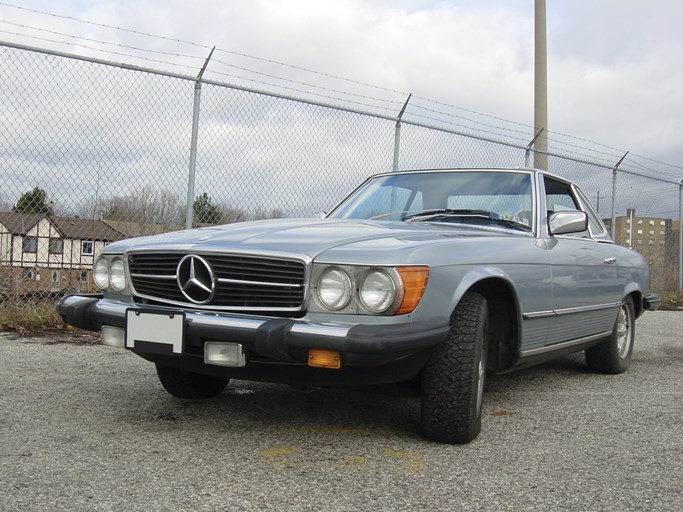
[(585, 284)]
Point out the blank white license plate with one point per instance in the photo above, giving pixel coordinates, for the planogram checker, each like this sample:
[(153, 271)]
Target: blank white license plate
[(158, 333)]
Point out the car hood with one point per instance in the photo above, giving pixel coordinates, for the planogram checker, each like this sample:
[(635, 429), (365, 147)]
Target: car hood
[(304, 237)]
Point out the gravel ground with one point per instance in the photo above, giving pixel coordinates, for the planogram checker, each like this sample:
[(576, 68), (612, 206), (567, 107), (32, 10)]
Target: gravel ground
[(86, 427)]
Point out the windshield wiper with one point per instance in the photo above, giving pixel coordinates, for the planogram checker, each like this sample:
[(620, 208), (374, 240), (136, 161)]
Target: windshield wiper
[(449, 213), (465, 215), (512, 224)]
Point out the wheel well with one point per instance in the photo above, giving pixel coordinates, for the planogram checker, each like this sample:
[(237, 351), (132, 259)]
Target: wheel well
[(503, 322)]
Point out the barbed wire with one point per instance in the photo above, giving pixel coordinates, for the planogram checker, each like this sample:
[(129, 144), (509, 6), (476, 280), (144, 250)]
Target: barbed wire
[(100, 41), (200, 59), (466, 128), (525, 133), (336, 99), (111, 52), (394, 103), (103, 25)]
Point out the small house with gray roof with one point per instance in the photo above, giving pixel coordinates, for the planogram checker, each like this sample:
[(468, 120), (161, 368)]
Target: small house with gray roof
[(49, 253)]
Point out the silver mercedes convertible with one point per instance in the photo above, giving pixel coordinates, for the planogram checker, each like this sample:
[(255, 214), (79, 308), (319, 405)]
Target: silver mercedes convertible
[(431, 277)]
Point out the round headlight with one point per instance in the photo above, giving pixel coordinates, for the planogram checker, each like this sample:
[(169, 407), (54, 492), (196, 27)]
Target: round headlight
[(334, 289), (377, 291), (100, 274), (117, 277)]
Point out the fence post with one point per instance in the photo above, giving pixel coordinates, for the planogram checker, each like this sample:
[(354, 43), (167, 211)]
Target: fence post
[(397, 134), (189, 207), (527, 153), (614, 199)]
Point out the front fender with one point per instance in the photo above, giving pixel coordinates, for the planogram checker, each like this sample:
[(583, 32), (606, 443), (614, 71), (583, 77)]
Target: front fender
[(478, 275)]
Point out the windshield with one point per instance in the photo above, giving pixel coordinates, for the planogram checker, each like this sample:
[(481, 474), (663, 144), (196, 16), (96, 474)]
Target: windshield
[(498, 197)]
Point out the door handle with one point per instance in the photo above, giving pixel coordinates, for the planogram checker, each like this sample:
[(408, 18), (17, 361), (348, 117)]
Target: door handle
[(609, 261)]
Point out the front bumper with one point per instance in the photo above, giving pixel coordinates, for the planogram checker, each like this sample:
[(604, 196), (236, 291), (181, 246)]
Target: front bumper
[(651, 302), (273, 339)]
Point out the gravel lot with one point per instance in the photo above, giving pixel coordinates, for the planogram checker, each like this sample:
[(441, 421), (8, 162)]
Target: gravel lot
[(86, 427)]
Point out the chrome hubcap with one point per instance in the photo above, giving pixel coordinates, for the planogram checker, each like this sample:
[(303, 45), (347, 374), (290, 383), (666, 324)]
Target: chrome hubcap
[(623, 332)]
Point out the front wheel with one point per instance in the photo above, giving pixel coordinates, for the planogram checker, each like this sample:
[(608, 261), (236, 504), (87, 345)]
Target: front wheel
[(614, 354), (183, 384), (453, 378)]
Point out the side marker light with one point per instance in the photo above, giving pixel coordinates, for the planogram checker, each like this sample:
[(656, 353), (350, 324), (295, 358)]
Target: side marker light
[(324, 359)]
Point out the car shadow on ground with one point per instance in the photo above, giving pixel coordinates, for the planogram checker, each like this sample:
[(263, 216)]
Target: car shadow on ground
[(383, 411)]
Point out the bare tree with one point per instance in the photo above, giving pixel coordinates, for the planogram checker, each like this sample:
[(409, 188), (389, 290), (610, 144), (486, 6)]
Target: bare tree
[(146, 206), (230, 215), (5, 204), (262, 213)]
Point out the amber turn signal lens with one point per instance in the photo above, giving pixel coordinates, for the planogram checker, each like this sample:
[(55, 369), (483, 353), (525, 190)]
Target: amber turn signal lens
[(414, 284), (324, 359)]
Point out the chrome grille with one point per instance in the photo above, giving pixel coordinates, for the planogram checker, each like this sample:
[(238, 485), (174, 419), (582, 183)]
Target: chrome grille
[(243, 282)]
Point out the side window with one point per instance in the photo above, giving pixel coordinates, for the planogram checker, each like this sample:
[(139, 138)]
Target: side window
[(597, 228), (559, 197)]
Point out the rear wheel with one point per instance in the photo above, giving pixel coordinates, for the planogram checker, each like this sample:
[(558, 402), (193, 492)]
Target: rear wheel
[(614, 355), (184, 384), (453, 378)]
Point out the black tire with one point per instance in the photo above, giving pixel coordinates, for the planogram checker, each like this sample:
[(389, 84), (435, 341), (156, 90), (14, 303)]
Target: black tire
[(453, 378), (183, 384), (614, 354)]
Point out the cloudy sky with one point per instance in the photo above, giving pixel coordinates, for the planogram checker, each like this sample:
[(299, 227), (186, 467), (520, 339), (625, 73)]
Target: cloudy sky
[(614, 79), (613, 66)]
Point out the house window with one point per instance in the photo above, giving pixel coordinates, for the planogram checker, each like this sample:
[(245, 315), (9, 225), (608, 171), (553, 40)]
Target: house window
[(55, 276), (652, 223), (87, 247), (30, 244), (640, 231), (662, 223), (28, 273), (640, 221), (56, 246), (652, 231), (83, 276)]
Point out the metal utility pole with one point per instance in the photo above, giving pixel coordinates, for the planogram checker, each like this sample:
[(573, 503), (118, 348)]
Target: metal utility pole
[(540, 87)]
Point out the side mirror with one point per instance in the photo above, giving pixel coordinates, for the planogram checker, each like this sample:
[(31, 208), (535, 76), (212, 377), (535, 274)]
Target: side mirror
[(565, 222)]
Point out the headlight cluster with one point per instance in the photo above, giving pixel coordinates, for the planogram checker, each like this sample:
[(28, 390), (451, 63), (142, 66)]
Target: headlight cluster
[(367, 290), (109, 273)]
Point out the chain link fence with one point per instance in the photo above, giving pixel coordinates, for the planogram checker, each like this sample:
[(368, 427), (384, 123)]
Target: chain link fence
[(94, 152)]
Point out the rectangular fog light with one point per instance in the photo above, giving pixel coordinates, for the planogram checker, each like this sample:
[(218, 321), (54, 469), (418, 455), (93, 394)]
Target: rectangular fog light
[(224, 354), (113, 336)]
